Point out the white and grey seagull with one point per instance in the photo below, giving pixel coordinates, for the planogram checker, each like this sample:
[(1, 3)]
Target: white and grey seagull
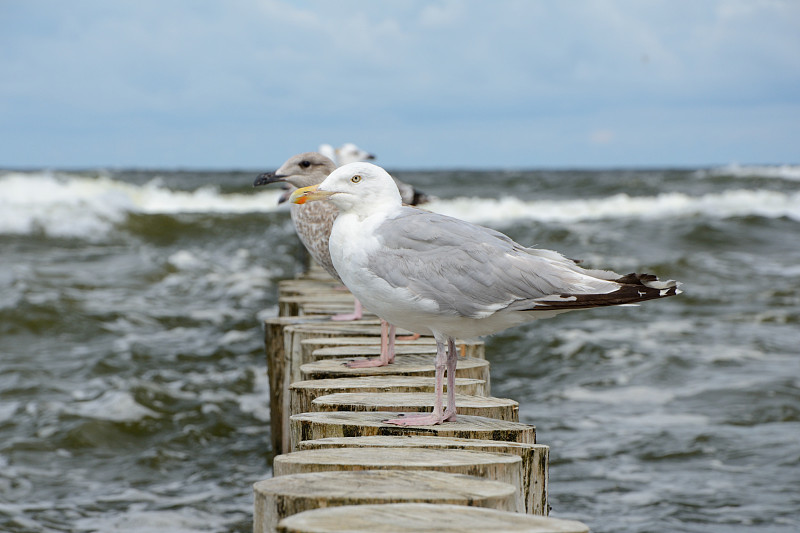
[(438, 275)]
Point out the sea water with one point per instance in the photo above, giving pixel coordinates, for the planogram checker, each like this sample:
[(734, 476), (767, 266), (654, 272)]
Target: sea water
[(133, 394)]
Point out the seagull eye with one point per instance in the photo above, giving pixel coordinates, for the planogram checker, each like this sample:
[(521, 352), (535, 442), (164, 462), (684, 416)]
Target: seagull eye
[(356, 178), (305, 163)]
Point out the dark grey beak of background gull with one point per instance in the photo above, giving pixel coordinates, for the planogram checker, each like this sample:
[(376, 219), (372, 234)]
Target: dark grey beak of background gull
[(268, 177)]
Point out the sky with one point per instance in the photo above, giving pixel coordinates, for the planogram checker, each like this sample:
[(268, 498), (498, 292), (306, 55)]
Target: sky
[(245, 84)]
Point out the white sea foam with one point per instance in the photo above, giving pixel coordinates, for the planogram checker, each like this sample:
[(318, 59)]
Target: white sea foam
[(62, 205), (619, 395), (139, 520), (7, 412), (731, 203), (253, 402), (787, 172), (116, 406), (78, 206), (59, 207)]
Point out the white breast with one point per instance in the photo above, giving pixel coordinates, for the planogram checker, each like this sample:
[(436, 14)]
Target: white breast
[(352, 242)]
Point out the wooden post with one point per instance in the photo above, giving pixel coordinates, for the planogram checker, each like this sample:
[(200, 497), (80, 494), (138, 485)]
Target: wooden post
[(293, 335), (285, 359), (283, 496), (276, 351), (307, 426), (496, 466), (324, 302), (301, 353), (466, 348), (404, 365), (304, 346), (297, 286), (415, 402), (422, 517), (313, 294), (302, 393), (535, 458), (421, 346)]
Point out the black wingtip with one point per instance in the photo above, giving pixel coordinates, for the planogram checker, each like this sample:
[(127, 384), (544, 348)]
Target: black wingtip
[(633, 288), (420, 197), (669, 287)]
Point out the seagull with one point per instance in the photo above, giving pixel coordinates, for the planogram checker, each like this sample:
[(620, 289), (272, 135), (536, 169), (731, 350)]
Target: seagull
[(313, 225), (350, 153), (345, 154), (441, 276)]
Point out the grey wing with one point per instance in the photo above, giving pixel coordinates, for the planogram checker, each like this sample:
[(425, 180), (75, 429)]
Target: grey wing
[(474, 271)]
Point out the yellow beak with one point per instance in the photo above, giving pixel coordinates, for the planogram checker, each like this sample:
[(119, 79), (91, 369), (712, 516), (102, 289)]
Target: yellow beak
[(308, 194)]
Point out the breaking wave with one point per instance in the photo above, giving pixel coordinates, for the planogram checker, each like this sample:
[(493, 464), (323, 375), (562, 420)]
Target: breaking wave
[(69, 205), (787, 172), (731, 203), (62, 205)]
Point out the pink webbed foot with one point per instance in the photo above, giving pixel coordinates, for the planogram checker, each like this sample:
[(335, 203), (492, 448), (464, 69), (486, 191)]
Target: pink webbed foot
[(367, 363), (358, 312), (413, 337), (431, 419), (345, 317), (387, 350)]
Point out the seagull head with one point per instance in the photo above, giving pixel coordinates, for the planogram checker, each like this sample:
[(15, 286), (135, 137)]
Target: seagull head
[(301, 170), (361, 188), (350, 153)]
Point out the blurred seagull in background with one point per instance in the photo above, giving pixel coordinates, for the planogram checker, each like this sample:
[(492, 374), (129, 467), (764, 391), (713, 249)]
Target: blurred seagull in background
[(345, 154), (350, 153)]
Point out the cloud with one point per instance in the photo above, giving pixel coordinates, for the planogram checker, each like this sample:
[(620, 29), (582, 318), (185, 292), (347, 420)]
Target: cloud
[(601, 136), (440, 14), (260, 79)]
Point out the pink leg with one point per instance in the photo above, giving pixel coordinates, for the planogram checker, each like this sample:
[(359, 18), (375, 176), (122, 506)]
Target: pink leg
[(412, 337), (452, 361), (392, 337), (438, 415), (387, 349), (358, 312)]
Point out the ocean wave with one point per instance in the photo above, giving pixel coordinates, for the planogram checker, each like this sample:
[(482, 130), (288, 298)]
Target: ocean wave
[(731, 203), (62, 205), (68, 205), (787, 172), (138, 520), (114, 406)]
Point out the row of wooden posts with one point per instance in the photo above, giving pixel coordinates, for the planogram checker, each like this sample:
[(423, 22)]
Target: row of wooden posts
[(483, 472)]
